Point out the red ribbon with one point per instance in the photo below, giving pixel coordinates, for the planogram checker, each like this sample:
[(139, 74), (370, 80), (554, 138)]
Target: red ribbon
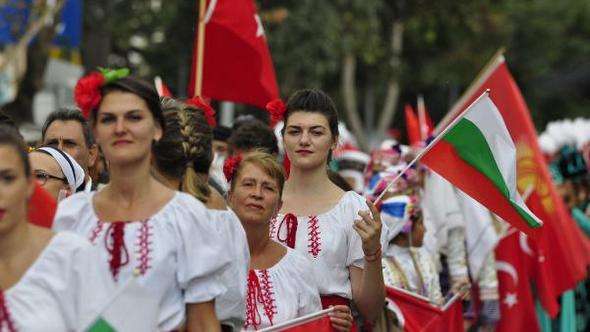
[(117, 248), (290, 221)]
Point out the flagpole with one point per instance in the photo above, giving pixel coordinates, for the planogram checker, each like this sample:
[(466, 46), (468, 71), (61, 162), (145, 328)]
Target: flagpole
[(427, 148), (422, 117), (297, 321), (200, 49), (484, 73)]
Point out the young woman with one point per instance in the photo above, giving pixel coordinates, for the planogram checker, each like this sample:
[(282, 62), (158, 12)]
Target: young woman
[(143, 229), (281, 286), (331, 227), (182, 158), (47, 281), (183, 155)]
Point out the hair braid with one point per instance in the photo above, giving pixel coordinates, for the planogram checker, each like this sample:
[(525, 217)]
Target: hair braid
[(185, 151)]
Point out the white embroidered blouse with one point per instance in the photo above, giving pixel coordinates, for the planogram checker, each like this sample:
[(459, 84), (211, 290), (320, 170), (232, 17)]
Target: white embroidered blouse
[(177, 254), (283, 292), (329, 240)]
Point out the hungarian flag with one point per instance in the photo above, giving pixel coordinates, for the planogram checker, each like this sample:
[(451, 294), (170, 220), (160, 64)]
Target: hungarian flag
[(513, 265), (318, 321), (476, 154), (237, 65), (412, 126), (417, 314), (562, 252), (42, 208)]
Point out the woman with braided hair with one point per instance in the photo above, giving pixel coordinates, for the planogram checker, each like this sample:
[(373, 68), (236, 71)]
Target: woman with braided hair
[(183, 155), (181, 159), (144, 231)]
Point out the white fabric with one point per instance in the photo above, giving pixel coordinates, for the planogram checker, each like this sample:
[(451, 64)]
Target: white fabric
[(480, 235), (395, 214), (441, 212), (292, 287), (340, 245), (230, 307), (392, 277), (62, 290), (457, 254), (88, 185), (186, 254), (72, 170)]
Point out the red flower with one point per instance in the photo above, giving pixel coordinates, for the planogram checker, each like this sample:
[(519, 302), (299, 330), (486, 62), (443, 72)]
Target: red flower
[(206, 108), (230, 166), (277, 109), (87, 92)]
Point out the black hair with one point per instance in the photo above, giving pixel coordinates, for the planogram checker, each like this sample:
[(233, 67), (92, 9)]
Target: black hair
[(313, 101), (251, 135), (11, 137), (6, 120), (221, 133), (138, 87), (68, 114)]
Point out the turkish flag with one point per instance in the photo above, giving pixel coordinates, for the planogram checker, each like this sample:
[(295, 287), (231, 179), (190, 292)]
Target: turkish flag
[(513, 264), (412, 126), (562, 251), (42, 208), (417, 314), (237, 65)]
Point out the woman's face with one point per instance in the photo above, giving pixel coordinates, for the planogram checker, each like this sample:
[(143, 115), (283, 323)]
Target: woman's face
[(255, 196), (15, 189), (308, 140), (48, 173), (125, 128)]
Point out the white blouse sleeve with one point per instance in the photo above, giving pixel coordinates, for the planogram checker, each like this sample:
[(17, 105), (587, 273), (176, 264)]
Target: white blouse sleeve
[(69, 211), (202, 254), (355, 256)]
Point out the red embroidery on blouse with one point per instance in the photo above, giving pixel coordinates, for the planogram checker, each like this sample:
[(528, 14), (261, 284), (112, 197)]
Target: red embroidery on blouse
[(260, 290), (290, 221), (116, 247), (270, 308), (313, 234), (5, 319), (96, 231), (144, 247)]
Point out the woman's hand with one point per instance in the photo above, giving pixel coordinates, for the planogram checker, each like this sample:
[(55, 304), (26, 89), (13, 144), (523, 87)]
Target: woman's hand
[(369, 229), (341, 318)]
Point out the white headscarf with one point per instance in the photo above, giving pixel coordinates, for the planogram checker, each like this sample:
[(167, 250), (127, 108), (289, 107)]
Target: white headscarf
[(72, 170)]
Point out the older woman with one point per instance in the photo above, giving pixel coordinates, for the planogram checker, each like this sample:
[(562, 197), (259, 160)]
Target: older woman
[(281, 285)]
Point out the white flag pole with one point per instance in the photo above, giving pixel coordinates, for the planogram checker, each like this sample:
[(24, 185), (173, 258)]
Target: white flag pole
[(459, 295), (200, 49), (298, 321), (430, 146)]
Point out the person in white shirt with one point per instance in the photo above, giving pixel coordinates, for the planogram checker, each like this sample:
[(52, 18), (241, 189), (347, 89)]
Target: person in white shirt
[(335, 229), (48, 281), (142, 229), (182, 158), (281, 283)]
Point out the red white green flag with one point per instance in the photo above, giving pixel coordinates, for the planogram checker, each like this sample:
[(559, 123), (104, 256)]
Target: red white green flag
[(477, 155)]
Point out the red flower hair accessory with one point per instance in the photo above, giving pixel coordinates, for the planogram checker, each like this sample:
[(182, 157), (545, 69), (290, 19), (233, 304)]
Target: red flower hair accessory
[(205, 107), (230, 166), (87, 92), (277, 109)]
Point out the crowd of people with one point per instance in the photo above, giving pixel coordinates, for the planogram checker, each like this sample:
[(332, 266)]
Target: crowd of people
[(217, 228)]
